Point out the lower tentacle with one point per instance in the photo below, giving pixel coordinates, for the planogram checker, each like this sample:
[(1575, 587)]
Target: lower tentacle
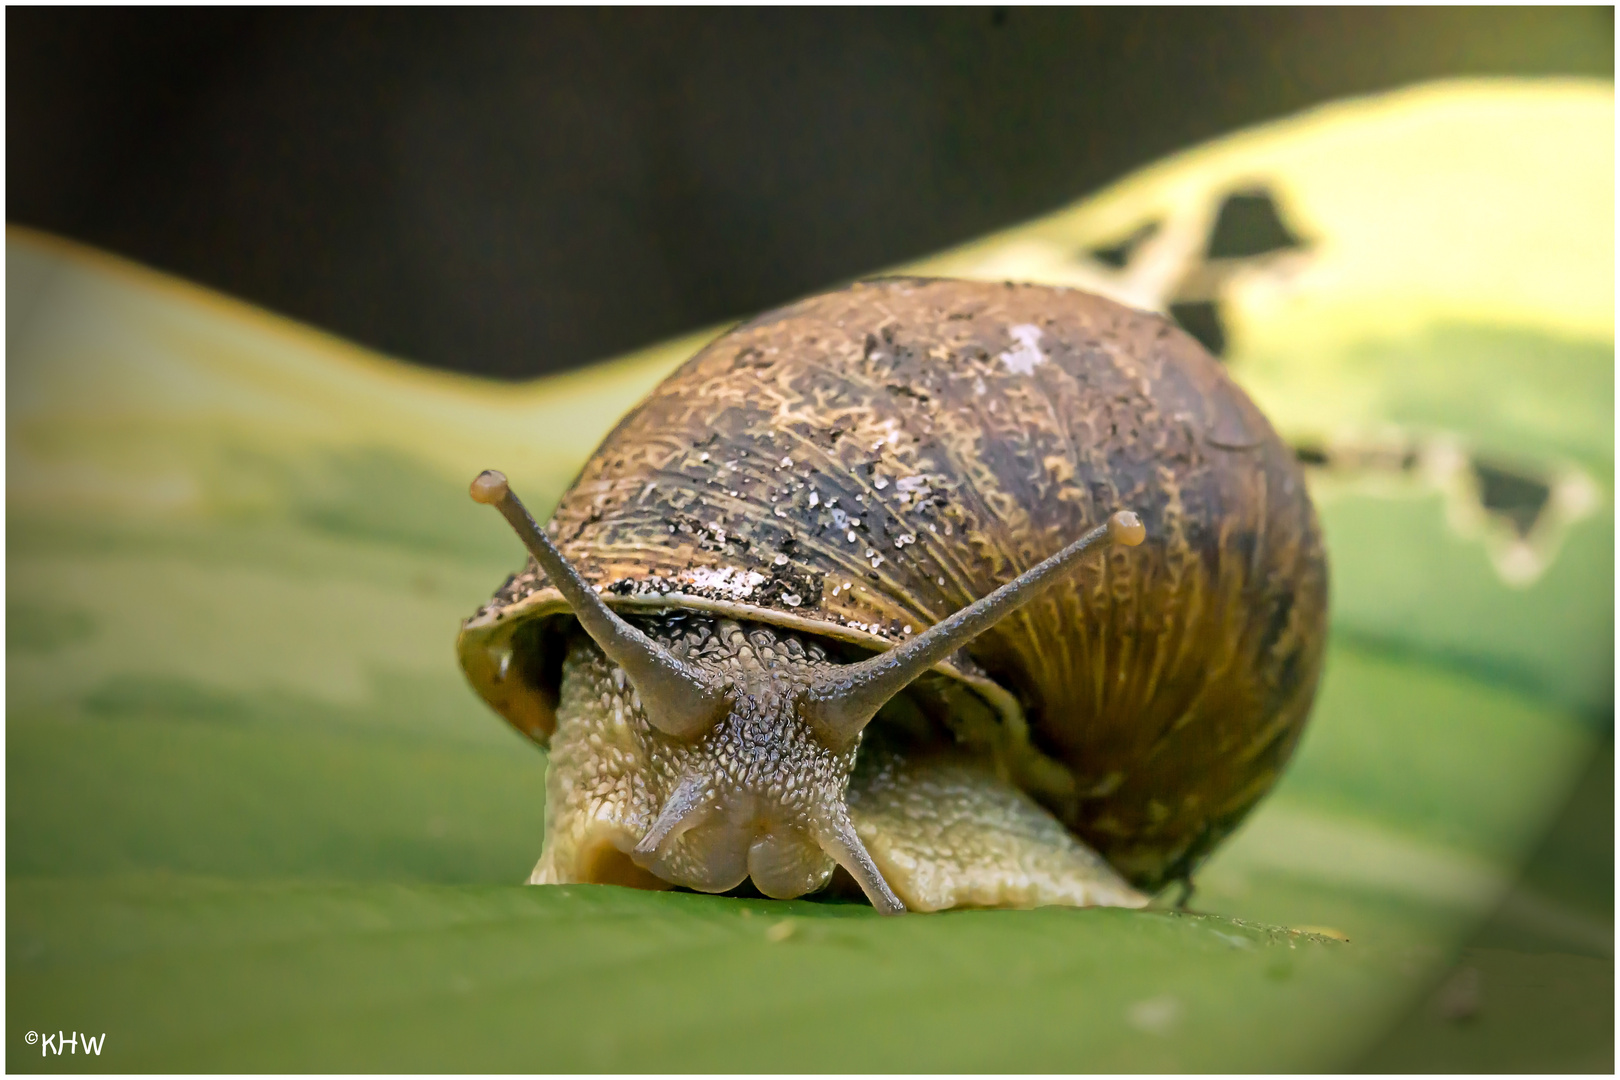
[(839, 839)]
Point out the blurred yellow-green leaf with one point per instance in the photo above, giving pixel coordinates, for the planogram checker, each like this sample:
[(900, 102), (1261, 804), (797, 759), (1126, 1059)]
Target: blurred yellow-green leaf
[(256, 821)]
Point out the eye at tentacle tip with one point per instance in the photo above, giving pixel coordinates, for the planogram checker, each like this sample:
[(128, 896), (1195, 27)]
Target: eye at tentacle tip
[(1126, 529), (489, 487)]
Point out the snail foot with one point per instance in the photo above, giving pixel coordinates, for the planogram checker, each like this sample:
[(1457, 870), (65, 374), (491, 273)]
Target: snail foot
[(946, 831)]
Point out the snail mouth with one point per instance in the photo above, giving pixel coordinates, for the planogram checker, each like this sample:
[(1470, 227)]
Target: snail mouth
[(786, 863), (713, 854), (715, 849)]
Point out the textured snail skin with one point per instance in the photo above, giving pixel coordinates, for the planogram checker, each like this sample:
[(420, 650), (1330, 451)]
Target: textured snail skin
[(974, 429)]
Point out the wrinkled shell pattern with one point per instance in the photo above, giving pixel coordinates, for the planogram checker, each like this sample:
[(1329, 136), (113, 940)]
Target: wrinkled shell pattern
[(865, 462)]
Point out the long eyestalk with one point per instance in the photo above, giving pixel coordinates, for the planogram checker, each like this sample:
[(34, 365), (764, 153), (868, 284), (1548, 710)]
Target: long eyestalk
[(841, 702), (677, 700)]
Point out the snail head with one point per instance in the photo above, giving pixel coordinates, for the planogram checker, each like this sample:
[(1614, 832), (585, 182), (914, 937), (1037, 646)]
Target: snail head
[(757, 730)]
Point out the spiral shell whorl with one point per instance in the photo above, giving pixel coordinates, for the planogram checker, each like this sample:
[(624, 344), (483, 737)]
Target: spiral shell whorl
[(878, 457)]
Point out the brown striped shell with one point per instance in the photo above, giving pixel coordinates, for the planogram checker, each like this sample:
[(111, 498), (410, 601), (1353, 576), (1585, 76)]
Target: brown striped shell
[(865, 462)]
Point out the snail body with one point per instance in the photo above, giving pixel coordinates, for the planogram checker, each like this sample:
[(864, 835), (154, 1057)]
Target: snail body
[(991, 594)]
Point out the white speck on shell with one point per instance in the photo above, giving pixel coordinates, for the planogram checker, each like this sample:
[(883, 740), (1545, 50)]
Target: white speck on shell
[(1024, 357), (913, 487), (730, 580)]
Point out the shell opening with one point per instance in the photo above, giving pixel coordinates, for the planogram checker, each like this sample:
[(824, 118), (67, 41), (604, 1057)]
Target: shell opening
[(678, 700)]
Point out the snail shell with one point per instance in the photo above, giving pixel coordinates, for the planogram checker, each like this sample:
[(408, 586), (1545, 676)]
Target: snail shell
[(861, 464)]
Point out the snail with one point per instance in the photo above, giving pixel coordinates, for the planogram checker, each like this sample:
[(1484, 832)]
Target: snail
[(987, 594)]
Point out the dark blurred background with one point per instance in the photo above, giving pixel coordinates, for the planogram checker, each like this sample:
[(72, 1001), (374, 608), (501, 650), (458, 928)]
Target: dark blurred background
[(520, 191)]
